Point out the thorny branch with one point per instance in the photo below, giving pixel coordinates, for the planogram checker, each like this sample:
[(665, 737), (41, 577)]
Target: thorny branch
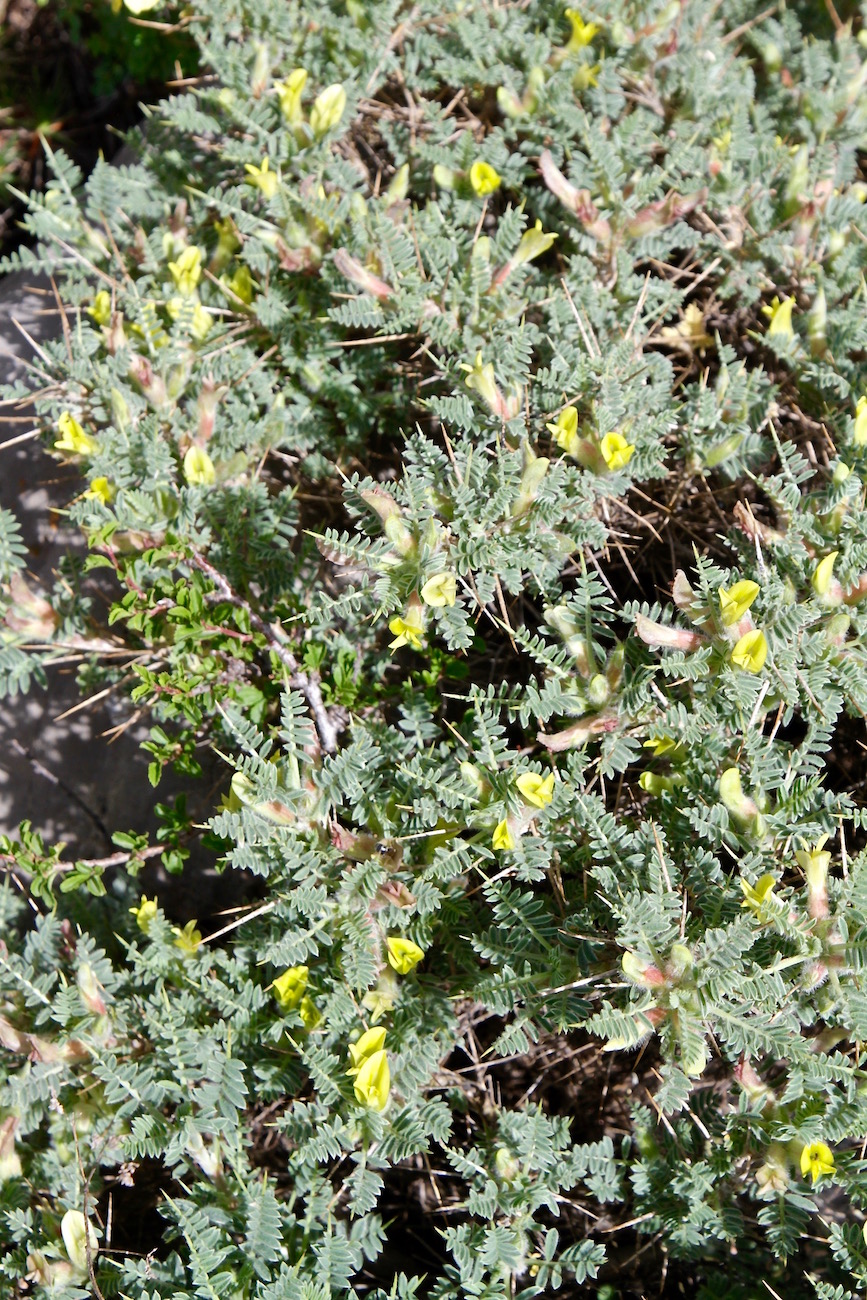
[(306, 683)]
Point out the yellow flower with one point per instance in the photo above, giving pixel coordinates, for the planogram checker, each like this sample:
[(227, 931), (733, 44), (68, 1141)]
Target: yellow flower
[(289, 93), (187, 270), (440, 590), (73, 438), (586, 76), (533, 244), (817, 1159), (100, 490), (241, 284), (821, 579), (370, 1042), (537, 790), (79, 1239), (815, 862), (502, 838), (138, 7), (188, 939), (200, 321), (780, 317), (100, 311), (735, 602), (198, 467), (755, 896), (484, 179), (480, 378), (403, 954), (751, 652), (145, 913), (661, 745), (407, 631), (565, 429), (327, 110), (263, 178), (310, 1014), (373, 1082), (859, 433), (582, 33), (289, 987), (616, 451)]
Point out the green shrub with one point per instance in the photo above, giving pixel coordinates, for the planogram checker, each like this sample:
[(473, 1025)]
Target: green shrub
[(472, 411)]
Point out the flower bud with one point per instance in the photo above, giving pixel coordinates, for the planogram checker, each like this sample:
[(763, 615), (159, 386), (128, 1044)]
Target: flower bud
[(399, 187), (327, 110), (289, 93), (662, 635), (815, 862), (817, 319), (780, 317), (90, 990), (535, 469), (744, 811), (822, 579), (641, 972), (79, 1239)]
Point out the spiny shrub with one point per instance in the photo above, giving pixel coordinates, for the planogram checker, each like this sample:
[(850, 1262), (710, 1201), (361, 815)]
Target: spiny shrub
[(471, 409)]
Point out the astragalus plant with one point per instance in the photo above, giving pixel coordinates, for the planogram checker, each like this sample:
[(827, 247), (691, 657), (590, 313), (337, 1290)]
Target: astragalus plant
[(471, 411)]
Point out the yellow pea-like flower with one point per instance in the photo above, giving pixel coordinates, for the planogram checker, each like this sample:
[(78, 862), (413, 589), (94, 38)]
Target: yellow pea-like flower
[(407, 630), (484, 179), (534, 243), (327, 110), (371, 1041), (502, 839), (440, 590), (187, 270), (263, 178), (403, 954), (821, 579), (565, 429), (582, 33), (373, 1082), (817, 1159), (751, 652), (755, 896), (859, 433), (100, 309), (187, 939), (290, 986), (145, 913), (73, 438), (100, 490), (537, 790), (310, 1014), (198, 467), (734, 602), (289, 94), (616, 451), (780, 317)]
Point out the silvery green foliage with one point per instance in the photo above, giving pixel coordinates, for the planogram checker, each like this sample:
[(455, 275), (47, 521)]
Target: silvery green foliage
[(518, 582)]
